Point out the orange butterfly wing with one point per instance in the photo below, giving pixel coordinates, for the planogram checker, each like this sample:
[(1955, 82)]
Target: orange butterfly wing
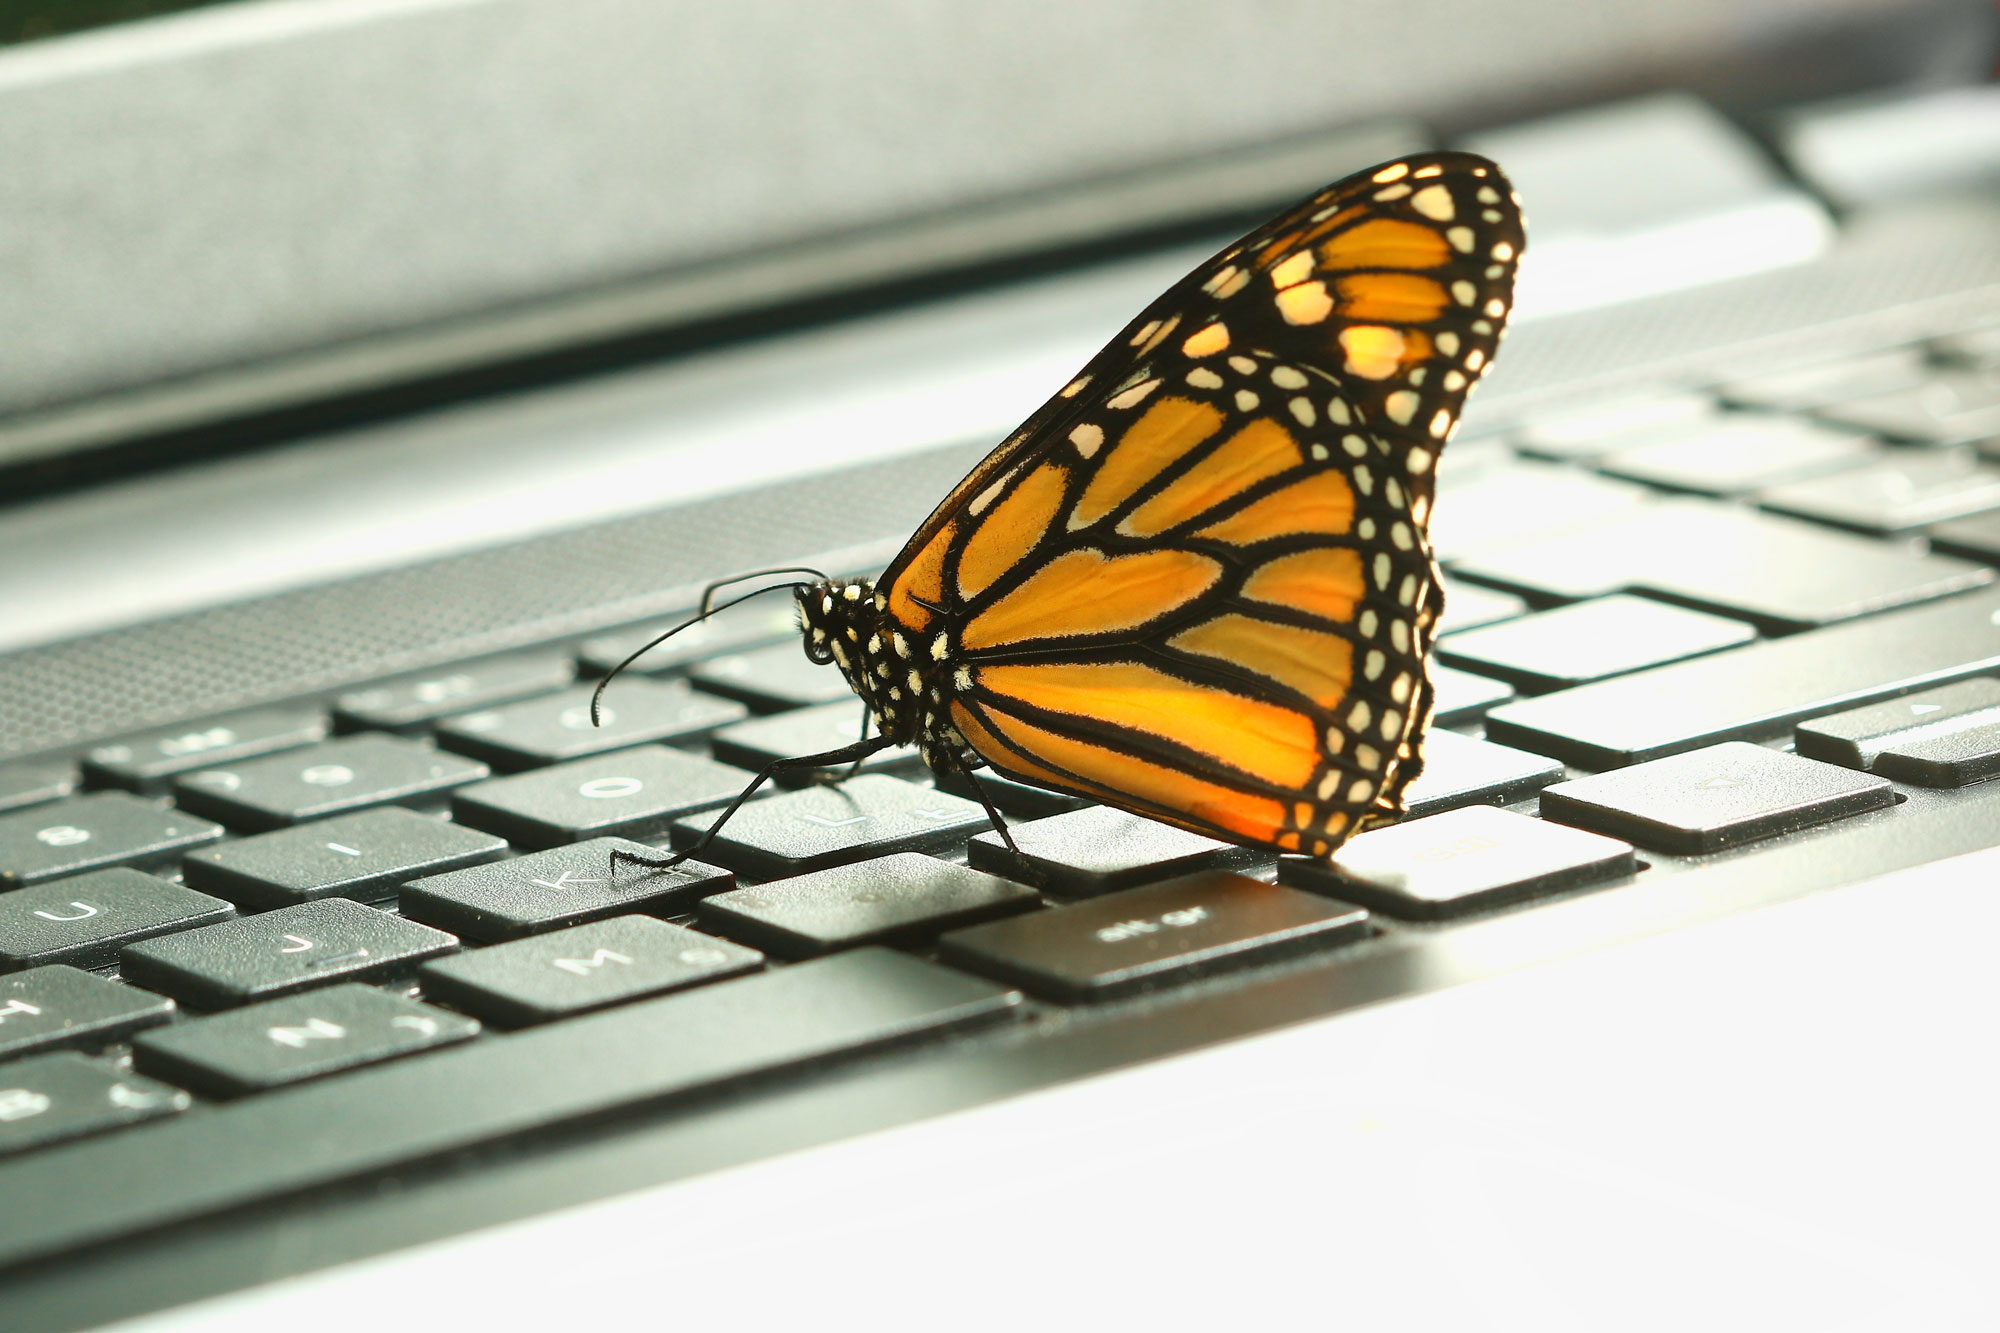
[(1196, 584)]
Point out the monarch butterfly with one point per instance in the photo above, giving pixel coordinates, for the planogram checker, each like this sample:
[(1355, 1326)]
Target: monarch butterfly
[(1197, 583)]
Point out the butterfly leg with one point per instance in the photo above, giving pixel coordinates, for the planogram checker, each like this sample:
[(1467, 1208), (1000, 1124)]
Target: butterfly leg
[(854, 753), (1028, 874)]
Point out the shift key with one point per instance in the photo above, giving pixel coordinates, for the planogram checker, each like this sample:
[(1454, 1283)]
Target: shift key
[(1759, 690)]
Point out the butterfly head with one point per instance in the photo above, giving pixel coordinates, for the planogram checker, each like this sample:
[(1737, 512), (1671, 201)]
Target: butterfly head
[(906, 684)]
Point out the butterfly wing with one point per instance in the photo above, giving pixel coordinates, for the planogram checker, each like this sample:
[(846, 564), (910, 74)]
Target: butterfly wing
[(1196, 584)]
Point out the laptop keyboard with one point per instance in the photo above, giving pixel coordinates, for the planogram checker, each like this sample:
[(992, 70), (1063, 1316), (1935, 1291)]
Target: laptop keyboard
[(404, 893)]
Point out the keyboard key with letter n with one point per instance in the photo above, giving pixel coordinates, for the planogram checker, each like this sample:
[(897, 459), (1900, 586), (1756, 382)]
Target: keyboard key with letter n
[(301, 1037), (1758, 690), (384, 1118)]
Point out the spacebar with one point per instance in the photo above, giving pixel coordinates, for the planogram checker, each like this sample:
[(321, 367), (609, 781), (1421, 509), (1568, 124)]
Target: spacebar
[(263, 1147), (1758, 690)]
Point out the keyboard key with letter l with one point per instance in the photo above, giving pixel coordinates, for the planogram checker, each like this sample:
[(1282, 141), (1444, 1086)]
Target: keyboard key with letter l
[(1099, 850), (301, 1037), (84, 921), (1856, 737), (817, 827), (411, 701), (362, 856), (632, 793), (380, 1119), (556, 727), (564, 886), (276, 953), (47, 1007), (1714, 798), (893, 899), (48, 1098), (585, 967), (1695, 553), (328, 779), (1757, 690), (1464, 861), (90, 832), (150, 761), (1153, 936)]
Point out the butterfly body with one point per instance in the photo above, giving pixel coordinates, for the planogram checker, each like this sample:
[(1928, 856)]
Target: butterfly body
[(1197, 583)]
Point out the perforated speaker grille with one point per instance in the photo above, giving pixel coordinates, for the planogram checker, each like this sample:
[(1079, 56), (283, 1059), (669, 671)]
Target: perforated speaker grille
[(322, 639)]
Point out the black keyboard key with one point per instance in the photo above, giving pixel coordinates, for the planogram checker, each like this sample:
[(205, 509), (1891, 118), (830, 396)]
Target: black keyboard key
[(1697, 553), (1464, 861), (276, 953), (583, 968), (632, 793), (1468, 606), (816, 730), (1606, 636), (362, 856), (1975, 538), (1522, 502), (772, 679), (1952, 407), (301, 1037), (1613, 423), (49, 1098), (1023, 800), (58, 1005), (1099, 850), (1910, 490), (85, 920), (150, 761), (90, 832), (770, 619), (379, 1119), (1953, 758), (895, 899), (1459, 770), (35, 782), (329, 779), (1714, 798), (1153, 936), (1824, 383), (411, 701), (1757, 690), (1741, 454), (1464, 697), (556, 727), (1855, 737), (817, 827), (561, 887)]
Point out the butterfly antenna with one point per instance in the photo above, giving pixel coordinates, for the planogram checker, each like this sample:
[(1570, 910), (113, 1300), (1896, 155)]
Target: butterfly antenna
[(597, 694), (709, 592)]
